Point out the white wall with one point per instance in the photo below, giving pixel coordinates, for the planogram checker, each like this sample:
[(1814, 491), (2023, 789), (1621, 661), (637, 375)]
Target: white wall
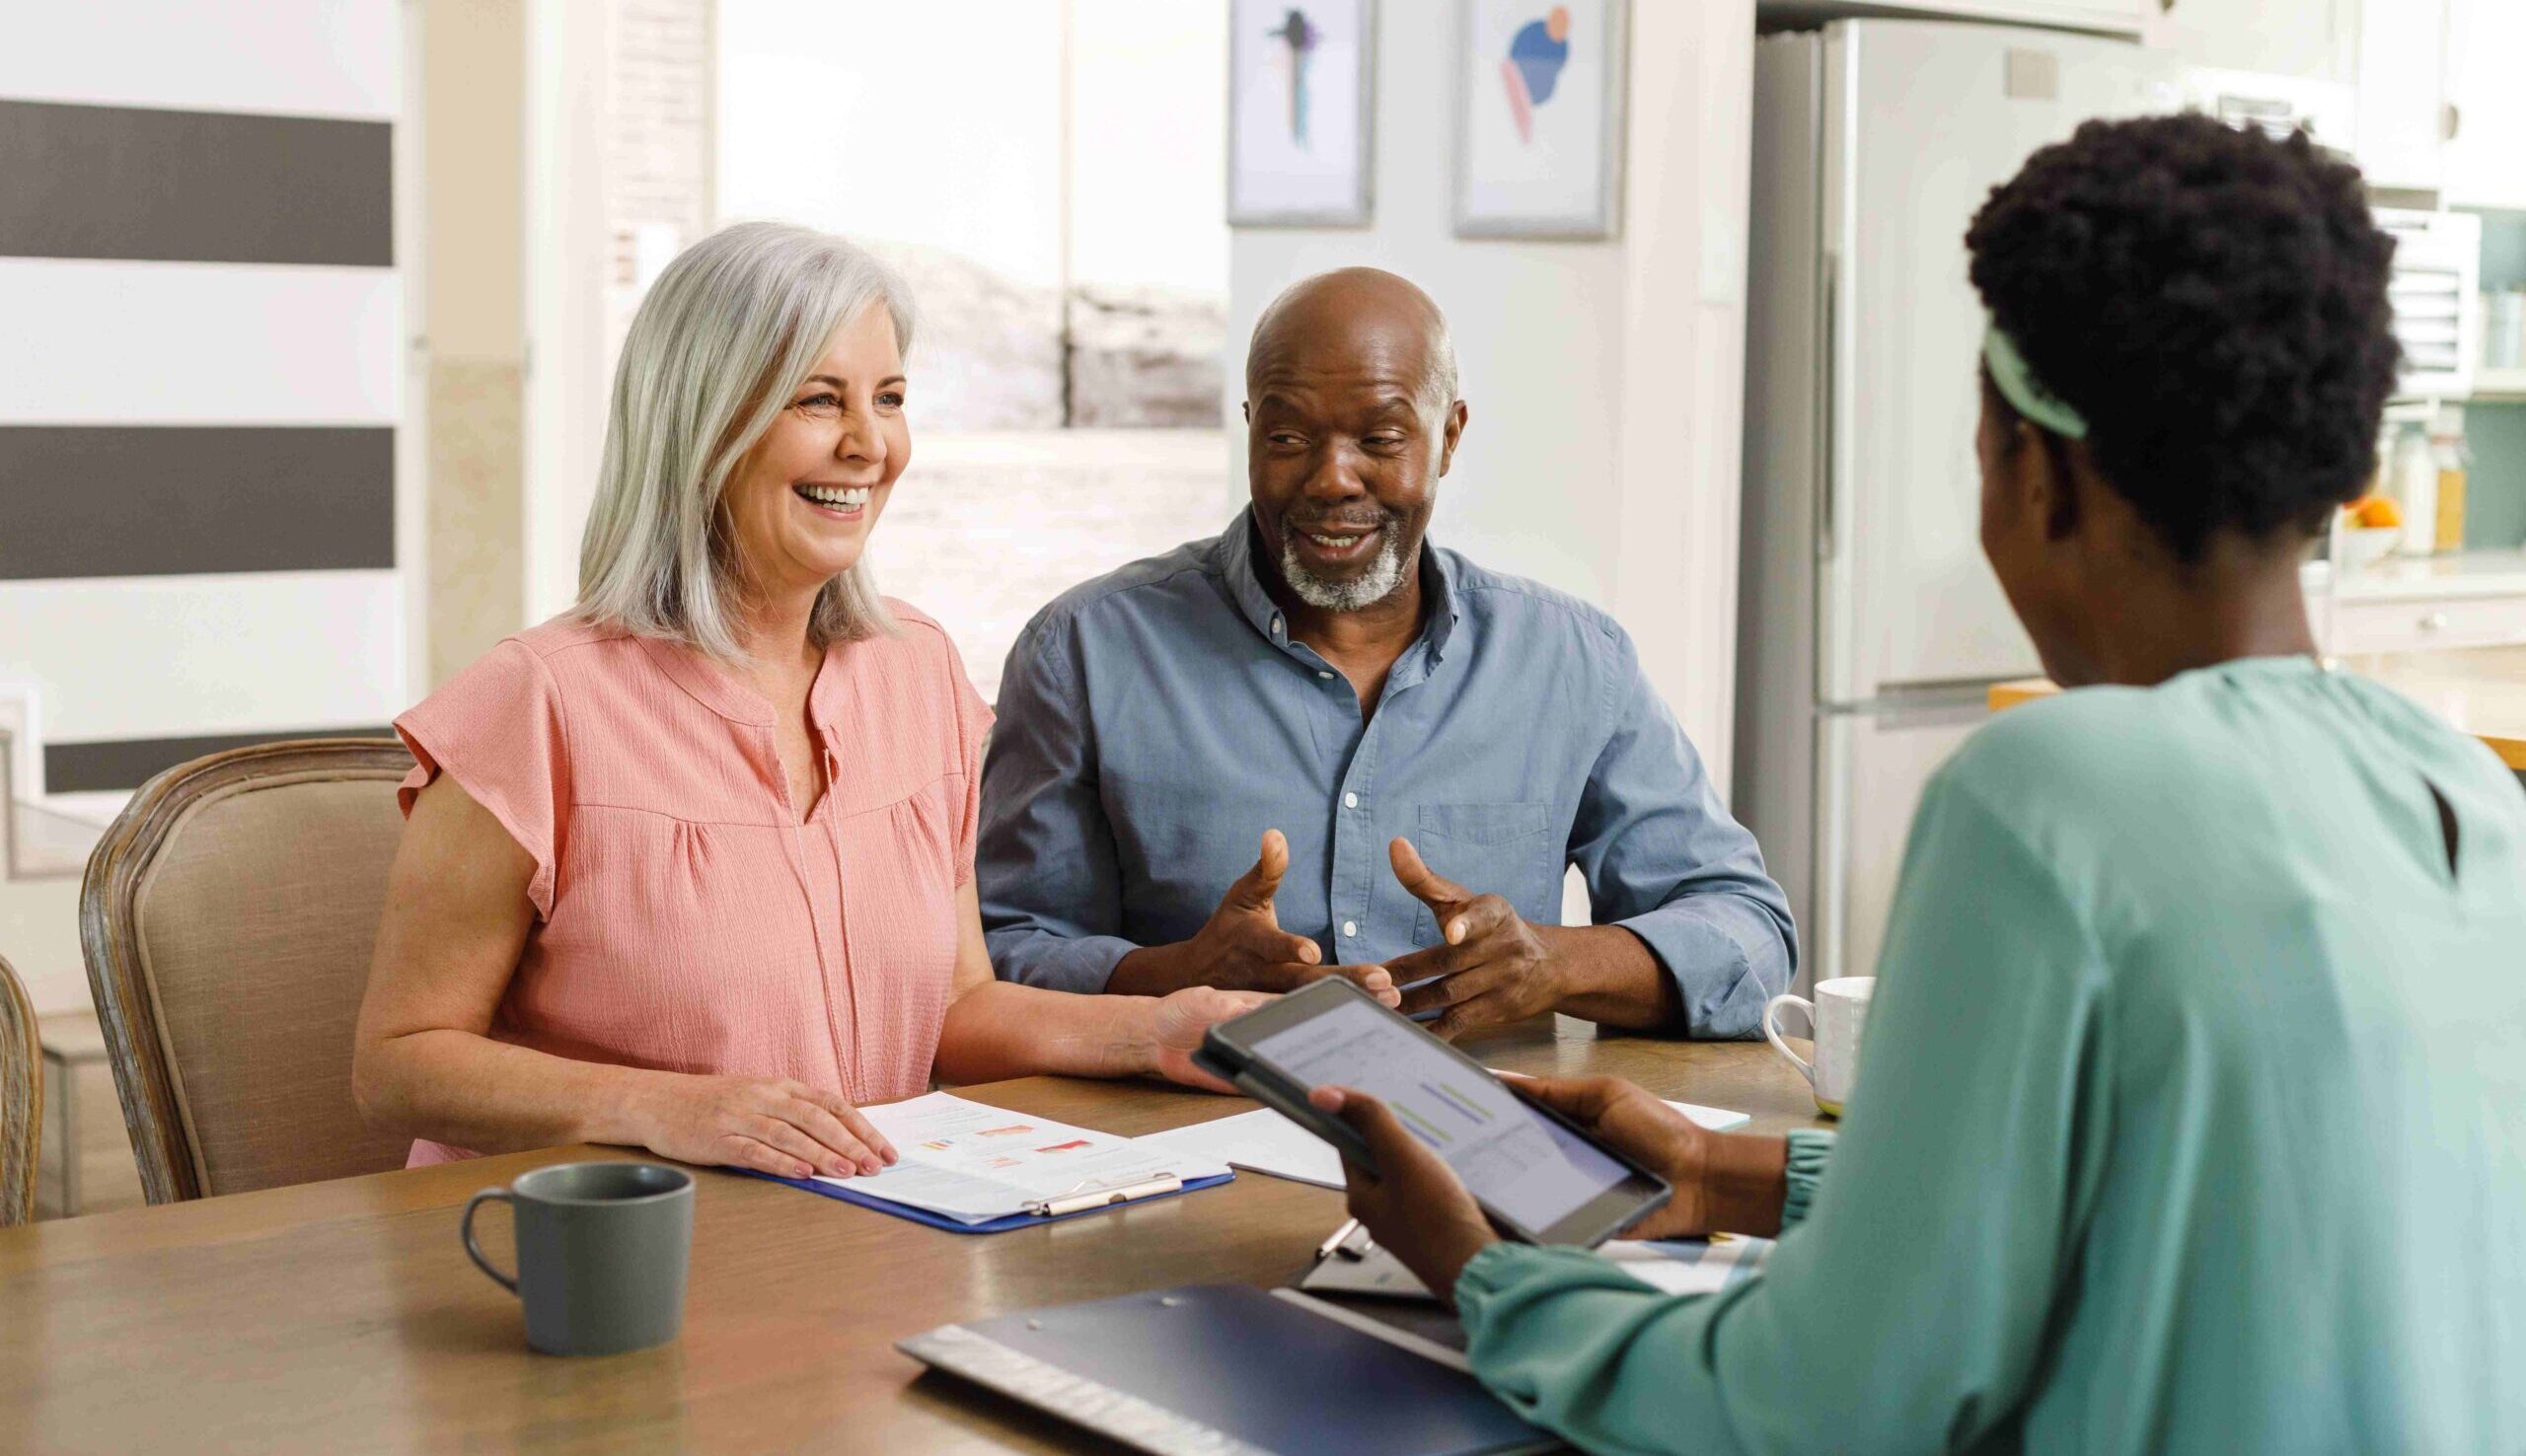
[(940, 124), (933, 123), (1149, 195), (140, 656), (617, 172), (568, 375), (1605, 380)]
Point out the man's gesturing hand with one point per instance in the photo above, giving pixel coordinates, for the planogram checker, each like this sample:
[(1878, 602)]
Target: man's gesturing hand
[(1493, 965), (1242, 947)]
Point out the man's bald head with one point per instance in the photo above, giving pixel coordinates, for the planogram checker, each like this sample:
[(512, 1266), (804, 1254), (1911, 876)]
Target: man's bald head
[(1364, 317), (1350, 418)]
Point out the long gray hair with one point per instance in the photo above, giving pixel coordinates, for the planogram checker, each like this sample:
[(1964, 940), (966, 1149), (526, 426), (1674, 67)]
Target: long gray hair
[(730, 329)]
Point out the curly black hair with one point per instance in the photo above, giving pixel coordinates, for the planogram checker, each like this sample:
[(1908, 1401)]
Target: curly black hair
[(2213, 303)]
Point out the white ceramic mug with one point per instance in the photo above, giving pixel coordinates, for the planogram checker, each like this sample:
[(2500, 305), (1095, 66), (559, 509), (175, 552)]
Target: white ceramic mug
[(1839, 1012)]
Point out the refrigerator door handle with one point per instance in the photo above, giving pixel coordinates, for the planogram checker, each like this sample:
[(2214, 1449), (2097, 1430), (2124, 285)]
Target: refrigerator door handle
[(1828, 895), (1827, 543)]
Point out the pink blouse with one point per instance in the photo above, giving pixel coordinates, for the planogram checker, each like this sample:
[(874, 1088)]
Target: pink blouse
[(685, 918)]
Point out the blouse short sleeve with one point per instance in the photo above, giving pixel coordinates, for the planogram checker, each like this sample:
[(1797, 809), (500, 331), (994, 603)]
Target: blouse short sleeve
[(496, 728)]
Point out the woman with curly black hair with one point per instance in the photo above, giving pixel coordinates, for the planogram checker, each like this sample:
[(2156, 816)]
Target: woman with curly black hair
[(2195, 1108)]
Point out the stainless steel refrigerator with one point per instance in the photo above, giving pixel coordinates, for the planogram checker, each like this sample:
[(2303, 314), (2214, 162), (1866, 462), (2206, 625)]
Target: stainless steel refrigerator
[(1870, 626)]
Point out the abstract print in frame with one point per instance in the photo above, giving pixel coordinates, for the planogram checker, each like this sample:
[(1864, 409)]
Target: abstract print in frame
[(1540, 92), (1301, 112)]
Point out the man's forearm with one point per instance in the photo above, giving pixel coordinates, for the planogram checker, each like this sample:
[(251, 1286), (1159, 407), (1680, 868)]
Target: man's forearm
[(1030, 953), (1611, 977), (1726, 954), (1150, 970)]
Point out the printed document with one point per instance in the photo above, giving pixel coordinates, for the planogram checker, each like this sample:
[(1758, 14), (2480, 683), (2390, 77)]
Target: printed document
[(1261, 1141), (975, 1163)]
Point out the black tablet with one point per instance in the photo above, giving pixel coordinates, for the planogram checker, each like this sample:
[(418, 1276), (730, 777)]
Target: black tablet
[(1539, 1179)]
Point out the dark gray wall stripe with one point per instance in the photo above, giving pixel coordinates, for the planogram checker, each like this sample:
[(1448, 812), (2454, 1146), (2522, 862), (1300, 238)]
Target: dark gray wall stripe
[(112, 764), (163, 500), (197, 186)]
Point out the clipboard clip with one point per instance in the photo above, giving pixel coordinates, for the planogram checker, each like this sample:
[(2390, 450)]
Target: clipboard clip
[(1079, 1196)]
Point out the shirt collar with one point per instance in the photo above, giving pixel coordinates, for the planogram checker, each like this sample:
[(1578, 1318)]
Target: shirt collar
[(718, 689), (1236, 559)]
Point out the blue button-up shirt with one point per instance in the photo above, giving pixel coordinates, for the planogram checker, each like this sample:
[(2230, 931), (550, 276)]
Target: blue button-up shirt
[(1154, 722)]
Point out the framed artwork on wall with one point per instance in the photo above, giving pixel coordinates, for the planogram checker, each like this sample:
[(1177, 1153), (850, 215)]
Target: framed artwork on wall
[(1301, 113), (1540, 114)]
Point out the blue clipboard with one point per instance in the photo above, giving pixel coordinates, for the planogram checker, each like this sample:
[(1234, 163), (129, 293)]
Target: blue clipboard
[(1001, 1224)]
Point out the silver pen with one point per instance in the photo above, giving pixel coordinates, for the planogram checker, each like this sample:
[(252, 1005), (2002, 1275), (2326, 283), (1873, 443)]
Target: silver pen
[(1164, 1182), (1340, 1243)]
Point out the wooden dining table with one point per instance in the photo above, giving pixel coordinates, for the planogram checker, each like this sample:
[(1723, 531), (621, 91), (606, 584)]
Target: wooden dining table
[(344, 1316)]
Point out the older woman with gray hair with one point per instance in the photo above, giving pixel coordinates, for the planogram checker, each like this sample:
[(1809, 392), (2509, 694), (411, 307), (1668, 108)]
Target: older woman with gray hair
[(690, 867)]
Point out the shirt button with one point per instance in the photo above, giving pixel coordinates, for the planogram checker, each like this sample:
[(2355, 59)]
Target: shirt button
[(1276, 624), (1351, 930), (1324, 674), (1350, 801)]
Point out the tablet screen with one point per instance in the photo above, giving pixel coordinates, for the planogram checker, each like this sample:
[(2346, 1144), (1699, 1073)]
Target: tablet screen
[(1525, 1166)]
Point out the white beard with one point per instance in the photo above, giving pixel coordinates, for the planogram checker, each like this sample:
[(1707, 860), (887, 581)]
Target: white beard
[(1369, 588)]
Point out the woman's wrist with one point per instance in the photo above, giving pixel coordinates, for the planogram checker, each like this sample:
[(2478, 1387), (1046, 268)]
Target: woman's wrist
[(623, 1110), (1459, 1248), (1744, 1180), (1140, 1052)]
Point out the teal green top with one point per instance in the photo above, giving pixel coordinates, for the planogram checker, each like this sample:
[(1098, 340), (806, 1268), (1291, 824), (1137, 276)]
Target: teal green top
[(2193, 1117)]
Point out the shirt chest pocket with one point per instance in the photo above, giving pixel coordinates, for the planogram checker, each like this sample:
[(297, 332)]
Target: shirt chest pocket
[(1504, 850)]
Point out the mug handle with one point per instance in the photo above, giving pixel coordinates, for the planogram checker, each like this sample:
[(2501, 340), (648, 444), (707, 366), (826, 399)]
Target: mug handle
[(475, 1250), (1771, 1034)]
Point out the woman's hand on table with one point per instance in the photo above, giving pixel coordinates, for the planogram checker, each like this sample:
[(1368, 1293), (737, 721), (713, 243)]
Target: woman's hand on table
[(1415, 1206), (1177, 1021), (770, 1124)]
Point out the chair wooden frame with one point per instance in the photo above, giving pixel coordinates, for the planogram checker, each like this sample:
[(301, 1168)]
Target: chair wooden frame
[(21, 1101), (163, 1137)]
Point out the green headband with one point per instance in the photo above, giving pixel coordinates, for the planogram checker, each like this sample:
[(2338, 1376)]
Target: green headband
[(2017, 384)]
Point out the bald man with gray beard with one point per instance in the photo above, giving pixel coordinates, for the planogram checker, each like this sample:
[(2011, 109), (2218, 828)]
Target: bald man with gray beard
[(1318, 745)]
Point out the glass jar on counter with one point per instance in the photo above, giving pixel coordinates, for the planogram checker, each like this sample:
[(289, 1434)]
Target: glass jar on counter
[(2453, 462), (2413, 482)]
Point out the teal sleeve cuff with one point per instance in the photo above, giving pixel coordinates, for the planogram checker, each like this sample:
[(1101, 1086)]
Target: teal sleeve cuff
[(1506, 1263), (1484, 1273), (1808, 1151)]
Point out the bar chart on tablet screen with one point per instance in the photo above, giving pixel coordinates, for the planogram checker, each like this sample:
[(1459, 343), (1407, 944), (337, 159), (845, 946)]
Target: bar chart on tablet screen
[(1528, 1169)]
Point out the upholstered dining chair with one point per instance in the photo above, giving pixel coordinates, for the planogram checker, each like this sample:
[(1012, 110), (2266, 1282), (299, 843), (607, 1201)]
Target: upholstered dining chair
[(227, 921), (21, 1100)]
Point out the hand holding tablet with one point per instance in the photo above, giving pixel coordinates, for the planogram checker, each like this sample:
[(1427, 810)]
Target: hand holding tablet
[(1536, 1177)]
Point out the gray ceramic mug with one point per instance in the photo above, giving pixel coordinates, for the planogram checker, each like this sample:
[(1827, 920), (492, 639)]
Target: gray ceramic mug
[(601, 1254)]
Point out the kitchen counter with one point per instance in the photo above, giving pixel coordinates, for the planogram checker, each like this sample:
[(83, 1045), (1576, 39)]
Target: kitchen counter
[(2481, 690), (2417, 578)]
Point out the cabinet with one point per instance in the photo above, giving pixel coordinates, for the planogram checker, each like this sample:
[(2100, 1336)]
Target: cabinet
[(2424, 604), (2441, 107), (2312, 39), (2424, 625), (2420, 68), (2486, 159), (2403, 116)]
